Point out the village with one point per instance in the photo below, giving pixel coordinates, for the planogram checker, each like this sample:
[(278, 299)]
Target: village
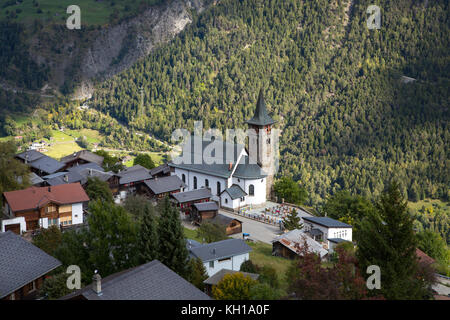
[(235, 194)]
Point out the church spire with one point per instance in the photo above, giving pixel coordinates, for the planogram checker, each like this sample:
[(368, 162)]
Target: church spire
[(261, 117)]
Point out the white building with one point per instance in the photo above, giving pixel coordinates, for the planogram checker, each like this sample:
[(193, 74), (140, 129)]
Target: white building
[(226, 254), (325, 229), (236, 177)]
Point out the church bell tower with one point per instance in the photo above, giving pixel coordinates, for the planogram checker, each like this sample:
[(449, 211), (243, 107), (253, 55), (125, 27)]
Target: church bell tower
[(260, 141)]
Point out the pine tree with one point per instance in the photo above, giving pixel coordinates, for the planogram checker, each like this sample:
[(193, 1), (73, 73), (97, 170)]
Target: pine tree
[(197, 273), (386, 239), (292, 221), (172, 243), (148, 237)]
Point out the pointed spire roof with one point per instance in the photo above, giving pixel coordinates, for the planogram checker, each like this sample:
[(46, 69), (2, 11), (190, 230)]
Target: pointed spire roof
[(261, 117)]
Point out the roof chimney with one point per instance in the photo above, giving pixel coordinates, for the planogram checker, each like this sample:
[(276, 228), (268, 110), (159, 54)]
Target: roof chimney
[(26, 158), (66, 178), (90, 172), (230, 166), (214, 251), (97, 283)]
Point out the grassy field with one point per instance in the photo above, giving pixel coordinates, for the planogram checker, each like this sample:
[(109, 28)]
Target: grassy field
[(62, 145), (430, 203), (54, 11), (92, 136)]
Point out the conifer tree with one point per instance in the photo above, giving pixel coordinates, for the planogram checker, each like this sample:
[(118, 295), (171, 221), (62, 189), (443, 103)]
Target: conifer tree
[(387, 239), (148, 236), (292, 221), (172, 243)]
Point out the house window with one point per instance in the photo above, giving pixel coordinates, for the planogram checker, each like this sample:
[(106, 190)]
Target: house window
[(226, 200), (52, 222), (211, 264), (218, 188), (251, 190), (183, 178), (195, 182), (206, 183)]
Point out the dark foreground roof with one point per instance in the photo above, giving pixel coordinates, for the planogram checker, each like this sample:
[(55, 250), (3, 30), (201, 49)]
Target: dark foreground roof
[(214, 279), (164, 184), (220, 249), (235, 192), (40, 161), (21, 262), (150, 281), (327, 222), (206, 206), (192, 195)]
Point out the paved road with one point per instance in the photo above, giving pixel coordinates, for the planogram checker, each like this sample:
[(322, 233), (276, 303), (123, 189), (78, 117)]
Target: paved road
[(258, 231)]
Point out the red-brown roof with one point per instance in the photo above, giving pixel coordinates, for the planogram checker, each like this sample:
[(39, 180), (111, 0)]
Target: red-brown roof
[(36, 197), (423, 257)]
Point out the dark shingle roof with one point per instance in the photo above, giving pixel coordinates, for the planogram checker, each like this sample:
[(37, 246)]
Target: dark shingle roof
[(165, 169), (40, 161), (150, 281), (192, 195), (223, 220), (327, 222), (220, 249), (84, 155), (35, 179), (89, 165), (206, 206), (133, 174), (71, 177), (315, 232), (235, 192), (214, 279), (337, 240), (165, 184), (261, 117), (21, 262)]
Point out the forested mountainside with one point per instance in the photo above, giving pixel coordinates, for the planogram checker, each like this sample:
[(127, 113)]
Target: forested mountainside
[(348, 120)]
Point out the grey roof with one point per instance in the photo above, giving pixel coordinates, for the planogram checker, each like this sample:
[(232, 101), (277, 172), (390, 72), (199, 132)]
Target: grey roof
[(91, 173), (165, 169), (21, 262), (315, 232), (247, 170), (298, 237), (206, 206), (235, 192), (84, 155), (261, 117), (71, 177), (192, 195), (215, 278), (220, 249), (192, 243), (165, 184), (35, 179), (150, 281), (327, 222), (223, 220), (89, 165), (337, 240), (40, 161), (134, 174)]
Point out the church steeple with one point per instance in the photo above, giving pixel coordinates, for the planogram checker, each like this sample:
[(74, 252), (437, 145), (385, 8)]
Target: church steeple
[(261, 117)]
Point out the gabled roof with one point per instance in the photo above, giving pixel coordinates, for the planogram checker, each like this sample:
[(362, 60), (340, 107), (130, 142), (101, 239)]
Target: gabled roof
[(298, 237), (36, 197), (261, 117), (337, 240), (133, 174), (21, 262), (83, 155), (35, 179), (150, 281), (220, 249), (89, 165), (192, 195), (194, 157), (327, 222), (215, 279), (235, 192), (206, 206), (165, 184), (40, 161), (93, 173), (223, 220), (164, 169), (68, 177), (423, 257)]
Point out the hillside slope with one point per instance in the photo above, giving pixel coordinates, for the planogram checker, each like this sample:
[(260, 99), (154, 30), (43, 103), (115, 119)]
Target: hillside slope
[(334, 87)]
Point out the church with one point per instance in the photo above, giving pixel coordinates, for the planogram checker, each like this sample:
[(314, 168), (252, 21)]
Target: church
[(243, 177)]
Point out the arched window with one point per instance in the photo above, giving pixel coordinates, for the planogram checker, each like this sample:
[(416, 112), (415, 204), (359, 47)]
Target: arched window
[(183, 178), (206, 183), (218, 188), (251, 190), (195, 182)]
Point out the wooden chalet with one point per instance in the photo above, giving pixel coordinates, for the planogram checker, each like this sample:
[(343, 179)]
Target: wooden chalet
[(160, 187), (185, 200)]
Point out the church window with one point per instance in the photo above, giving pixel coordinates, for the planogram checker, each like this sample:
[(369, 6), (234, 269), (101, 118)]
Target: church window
[(183, 178), (251, 190), (218, 188), (206, 183), (195, 182)]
